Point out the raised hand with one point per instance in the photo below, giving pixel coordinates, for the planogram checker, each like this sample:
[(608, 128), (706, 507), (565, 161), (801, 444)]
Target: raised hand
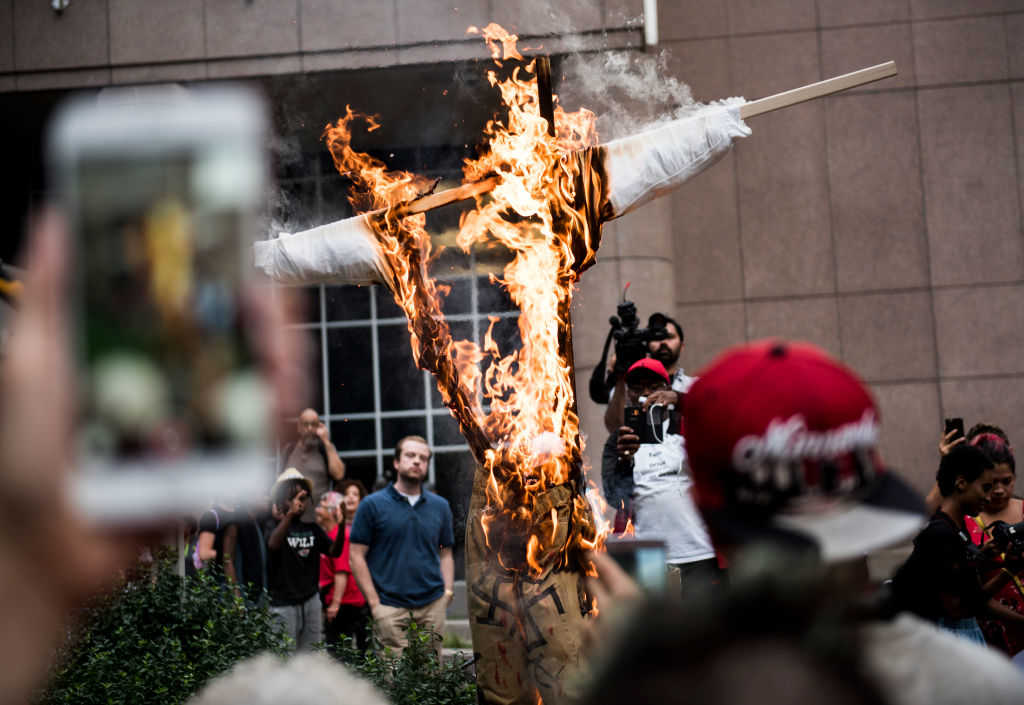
[(298, 504), (946, 443)]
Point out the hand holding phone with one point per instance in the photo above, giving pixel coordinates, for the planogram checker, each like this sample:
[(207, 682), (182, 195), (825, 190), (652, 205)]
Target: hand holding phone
[(953, 435), (626, 442), (639, 420), (161, 186), (642, 560)]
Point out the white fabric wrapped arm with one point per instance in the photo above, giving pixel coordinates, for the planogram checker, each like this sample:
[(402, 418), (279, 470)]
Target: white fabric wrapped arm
[(642, 167), (343, 252)]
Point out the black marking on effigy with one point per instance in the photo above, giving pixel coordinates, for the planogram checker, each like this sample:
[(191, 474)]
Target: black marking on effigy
[(492, 600), (541, 675), (552, 592)]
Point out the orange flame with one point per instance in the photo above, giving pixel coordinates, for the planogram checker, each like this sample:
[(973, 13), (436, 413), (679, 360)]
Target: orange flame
[(529, 442), (628, 530)]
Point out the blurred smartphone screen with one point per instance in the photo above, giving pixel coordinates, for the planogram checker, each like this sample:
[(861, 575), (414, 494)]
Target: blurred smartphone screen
[(161, 187), (642, 559)]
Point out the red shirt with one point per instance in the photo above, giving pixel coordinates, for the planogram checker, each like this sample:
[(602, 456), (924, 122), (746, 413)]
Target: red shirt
[(329, 567)]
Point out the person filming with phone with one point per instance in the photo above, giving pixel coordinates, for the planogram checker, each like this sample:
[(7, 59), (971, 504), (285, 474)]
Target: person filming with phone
[(314, 456), (294, 548), (661, 340), (651, 446)]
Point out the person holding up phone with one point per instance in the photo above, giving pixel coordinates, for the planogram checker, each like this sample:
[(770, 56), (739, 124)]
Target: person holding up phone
[(293, 570), (654, 449), (953, 436), (314, 456), (942, 579)]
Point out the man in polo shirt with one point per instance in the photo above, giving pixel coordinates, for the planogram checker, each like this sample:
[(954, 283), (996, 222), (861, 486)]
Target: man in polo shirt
[(400, 551)]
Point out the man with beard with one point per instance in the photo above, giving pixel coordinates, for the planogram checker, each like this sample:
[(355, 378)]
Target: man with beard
[(313, 455), (400, 551), (665, 351)]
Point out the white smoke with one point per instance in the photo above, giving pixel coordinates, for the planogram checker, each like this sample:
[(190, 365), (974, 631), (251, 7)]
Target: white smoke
[(282, 212), (628, 89)]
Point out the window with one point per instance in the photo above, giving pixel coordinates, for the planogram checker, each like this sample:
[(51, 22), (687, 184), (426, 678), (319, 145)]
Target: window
[(366, 386)]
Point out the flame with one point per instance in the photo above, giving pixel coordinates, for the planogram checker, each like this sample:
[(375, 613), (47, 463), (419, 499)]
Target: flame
[(628, 530), (529, 441)]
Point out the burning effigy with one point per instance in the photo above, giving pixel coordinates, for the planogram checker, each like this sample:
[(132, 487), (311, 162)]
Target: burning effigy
[(542, 185)]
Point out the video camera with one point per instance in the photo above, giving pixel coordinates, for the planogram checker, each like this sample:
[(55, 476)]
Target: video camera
[(631, 344), (630, 339)]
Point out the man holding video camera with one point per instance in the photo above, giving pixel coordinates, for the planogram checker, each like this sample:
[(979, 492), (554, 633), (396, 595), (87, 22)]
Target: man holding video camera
[(661, 340), (650, 447)]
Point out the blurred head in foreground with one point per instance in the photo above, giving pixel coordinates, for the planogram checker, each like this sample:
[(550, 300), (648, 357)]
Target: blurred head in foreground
[(771, 638), (783, 447), (299, 680)]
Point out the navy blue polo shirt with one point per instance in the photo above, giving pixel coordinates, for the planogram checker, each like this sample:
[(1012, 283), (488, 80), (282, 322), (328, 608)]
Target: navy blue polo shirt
[(404, 554)]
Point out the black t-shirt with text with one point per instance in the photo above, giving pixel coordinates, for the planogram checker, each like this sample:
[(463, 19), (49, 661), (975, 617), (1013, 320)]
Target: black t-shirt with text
[(293, 569)]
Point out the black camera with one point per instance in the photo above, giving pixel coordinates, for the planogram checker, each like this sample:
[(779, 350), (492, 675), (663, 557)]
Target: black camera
[(631, 340), (631, 344), (1008, 537)]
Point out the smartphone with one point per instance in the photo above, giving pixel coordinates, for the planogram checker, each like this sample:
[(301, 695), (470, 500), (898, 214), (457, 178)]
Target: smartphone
[(643, 560), (161, 187), (957, 425), (640, 422)]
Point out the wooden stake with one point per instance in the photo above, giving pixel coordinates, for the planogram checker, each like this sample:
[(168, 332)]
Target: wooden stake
[(545, 99), (747, 110), (446, 197), (819, 89)]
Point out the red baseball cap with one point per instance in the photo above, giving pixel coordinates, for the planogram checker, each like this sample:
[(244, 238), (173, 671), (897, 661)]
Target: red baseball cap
[(648, 364), (783, 439)]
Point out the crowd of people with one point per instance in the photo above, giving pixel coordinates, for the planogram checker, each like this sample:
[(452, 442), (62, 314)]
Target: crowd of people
[(780, 443), (328, 557), (775, 464), (333, 560)]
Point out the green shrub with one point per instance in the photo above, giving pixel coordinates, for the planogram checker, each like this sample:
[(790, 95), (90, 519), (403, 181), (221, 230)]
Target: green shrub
[(158, 639), (416, 678)]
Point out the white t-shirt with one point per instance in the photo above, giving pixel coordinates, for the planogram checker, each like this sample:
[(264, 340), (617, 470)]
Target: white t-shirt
[(681, 382), (663, 502), (412, 499)]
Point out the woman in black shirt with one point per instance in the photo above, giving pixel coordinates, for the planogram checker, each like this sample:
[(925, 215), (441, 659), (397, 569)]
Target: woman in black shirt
[(941, 580)]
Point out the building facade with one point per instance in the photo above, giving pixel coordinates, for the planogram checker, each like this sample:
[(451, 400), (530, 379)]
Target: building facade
[(884, 224)]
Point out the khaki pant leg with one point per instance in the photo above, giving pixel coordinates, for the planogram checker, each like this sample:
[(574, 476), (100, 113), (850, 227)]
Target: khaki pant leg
[(432, 618), (390, 625)]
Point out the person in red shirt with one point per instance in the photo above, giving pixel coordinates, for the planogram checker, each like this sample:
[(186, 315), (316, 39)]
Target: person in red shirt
[(346, 611)]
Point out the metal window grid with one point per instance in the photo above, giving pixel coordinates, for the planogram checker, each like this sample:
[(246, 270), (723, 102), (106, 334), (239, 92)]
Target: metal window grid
[(374, 323)]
